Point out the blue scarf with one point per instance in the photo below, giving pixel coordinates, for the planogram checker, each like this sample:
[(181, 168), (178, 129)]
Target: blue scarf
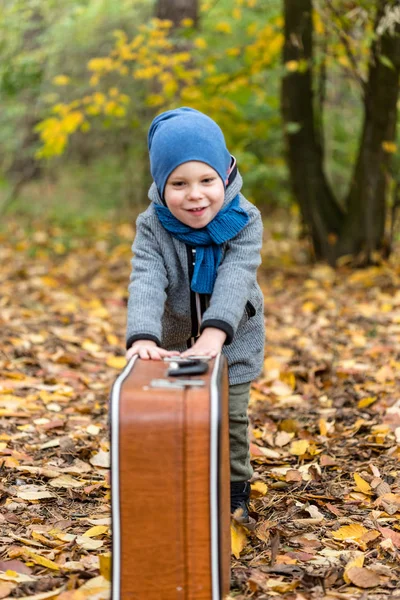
[(208, 240)]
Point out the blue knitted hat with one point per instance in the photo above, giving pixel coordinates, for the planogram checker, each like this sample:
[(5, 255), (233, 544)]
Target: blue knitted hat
[(184, 134)]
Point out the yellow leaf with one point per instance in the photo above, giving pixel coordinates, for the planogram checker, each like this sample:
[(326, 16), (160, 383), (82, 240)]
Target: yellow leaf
[(187, 22), (223, 27), (389, 147), (309, 307), (323, 427), (96, 530), (292, 65), (258, 489), (364, 402), (362, 486), (349, 532), (356, 561), (238, 538), (200, 43), (40, 560), (299, 448), (61, 80), (116, 362), (105, 565)]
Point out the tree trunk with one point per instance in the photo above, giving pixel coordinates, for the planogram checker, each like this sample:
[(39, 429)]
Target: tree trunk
[(319, 208), (176, 10), (362, 227)]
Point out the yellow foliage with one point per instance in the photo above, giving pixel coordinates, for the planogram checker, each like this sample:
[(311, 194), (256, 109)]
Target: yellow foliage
[(233, 51), (292, 65), (187, 22), (147, 73), (189, 94), (61, 80), (101, 64), (318, 23), (99, 98), (154, 100), (72, 121), (223, 27), (200, 43), (180, 76), (389, 147)]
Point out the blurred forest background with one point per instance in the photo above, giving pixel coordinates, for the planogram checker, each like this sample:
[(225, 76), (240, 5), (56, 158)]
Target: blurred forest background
[(306, 93)]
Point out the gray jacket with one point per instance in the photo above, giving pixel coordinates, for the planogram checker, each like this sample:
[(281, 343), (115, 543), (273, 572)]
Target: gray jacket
[(162, 307)]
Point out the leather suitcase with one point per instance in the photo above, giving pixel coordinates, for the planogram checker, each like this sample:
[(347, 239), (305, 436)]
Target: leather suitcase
[(170, 483)]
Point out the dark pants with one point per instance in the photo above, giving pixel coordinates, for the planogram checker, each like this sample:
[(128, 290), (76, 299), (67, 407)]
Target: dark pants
[(241, 469)]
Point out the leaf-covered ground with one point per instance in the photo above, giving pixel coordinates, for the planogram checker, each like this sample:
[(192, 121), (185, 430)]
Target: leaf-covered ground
[(325, 422)]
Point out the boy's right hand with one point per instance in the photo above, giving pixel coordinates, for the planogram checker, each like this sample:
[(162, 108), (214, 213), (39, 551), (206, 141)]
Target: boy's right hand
[(148, 350)]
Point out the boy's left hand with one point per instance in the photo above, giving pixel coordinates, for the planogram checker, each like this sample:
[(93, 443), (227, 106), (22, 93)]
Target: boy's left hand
[(209, 343)]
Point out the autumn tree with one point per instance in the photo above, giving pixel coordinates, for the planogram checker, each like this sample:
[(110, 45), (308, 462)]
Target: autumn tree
[(355, 225)]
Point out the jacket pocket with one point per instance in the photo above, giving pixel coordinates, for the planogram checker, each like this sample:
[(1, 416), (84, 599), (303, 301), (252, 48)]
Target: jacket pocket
[(250, 310)]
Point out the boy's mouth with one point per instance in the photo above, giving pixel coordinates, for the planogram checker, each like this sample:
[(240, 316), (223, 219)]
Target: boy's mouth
[(197, 210)]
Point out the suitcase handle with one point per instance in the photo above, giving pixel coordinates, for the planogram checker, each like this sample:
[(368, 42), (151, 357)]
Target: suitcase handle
[(191, 367)]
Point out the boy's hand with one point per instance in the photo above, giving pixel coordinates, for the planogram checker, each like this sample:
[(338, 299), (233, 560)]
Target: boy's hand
[(209, 343), (148, 350)]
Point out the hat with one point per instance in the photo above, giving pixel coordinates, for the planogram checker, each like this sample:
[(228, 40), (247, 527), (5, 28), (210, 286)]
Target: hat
[(184, 134)]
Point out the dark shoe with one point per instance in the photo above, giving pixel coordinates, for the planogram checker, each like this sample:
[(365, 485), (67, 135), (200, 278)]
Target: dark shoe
[(240, 494)]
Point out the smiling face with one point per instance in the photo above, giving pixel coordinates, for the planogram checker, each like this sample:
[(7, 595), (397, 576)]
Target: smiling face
[(194, 193)]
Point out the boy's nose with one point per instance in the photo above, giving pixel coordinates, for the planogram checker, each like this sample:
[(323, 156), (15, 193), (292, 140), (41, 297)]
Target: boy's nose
[(194, 192)]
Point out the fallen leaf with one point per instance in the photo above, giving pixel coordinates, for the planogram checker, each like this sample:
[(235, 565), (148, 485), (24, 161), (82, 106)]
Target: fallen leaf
[(101, 459), (356, 561), (66, 481), (29, 492), (362, 485), (96, 530), (44, 595), (282, 438), (349, 532), (238, 538), (105, 565), (392, 535), (258, 489), (88, 543), (116, 362), (41, 560), (364, 402), (6, 588), (298, 448), (363, 577)]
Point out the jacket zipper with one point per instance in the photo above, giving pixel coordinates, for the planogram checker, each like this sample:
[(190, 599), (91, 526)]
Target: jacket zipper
[(194, 299)]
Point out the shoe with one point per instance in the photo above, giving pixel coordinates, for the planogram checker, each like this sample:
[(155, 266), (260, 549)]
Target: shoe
[(240, 494)]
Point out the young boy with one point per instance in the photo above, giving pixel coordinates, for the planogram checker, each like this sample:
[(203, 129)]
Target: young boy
[(193, 288)]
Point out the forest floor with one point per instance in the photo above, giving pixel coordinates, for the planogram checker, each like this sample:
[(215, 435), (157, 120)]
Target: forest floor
[(325, 422)]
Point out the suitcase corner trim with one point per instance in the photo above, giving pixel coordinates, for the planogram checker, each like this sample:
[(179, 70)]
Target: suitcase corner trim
[(115, 499)]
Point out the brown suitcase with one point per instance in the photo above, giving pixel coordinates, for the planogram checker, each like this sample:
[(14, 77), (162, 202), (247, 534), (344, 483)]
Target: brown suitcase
[(170, 483)]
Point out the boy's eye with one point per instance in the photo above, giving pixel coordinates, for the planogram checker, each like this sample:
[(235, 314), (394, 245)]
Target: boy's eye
[(208, 179), (178, 183)]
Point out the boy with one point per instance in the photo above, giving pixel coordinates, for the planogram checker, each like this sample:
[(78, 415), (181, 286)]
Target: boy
[(193, 287)]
